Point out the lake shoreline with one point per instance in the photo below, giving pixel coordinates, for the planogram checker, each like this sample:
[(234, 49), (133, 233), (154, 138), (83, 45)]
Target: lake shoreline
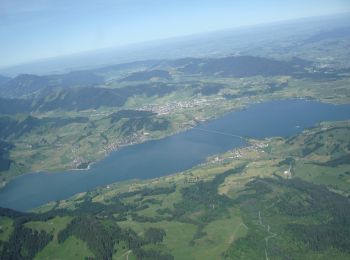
[(174, 153)]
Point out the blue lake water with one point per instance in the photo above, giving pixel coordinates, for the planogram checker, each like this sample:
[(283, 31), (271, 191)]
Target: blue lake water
[(175, 153)]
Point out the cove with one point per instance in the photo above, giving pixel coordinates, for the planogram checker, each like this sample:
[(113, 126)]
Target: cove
[(175, 153)]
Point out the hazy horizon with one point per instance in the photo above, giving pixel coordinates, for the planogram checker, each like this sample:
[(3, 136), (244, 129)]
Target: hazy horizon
[(53, 29)]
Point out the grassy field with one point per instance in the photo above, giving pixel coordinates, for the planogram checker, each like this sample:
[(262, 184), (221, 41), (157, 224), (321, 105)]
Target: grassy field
[(6, 228), (72, 248), (52, 226)]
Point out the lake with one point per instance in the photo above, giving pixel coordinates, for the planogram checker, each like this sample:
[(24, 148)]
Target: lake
[(175, 153)]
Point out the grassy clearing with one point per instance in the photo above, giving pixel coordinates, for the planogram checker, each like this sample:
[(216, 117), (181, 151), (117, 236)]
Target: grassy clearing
[(220, 235), (177, 239), (72, 248), (6, 228), (52, 226)]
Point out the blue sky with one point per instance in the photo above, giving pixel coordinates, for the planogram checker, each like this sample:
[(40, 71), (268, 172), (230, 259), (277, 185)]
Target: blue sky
[(37, 29)]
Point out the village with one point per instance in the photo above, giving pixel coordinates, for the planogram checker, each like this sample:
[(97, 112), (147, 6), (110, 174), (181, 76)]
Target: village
[(170, 107)]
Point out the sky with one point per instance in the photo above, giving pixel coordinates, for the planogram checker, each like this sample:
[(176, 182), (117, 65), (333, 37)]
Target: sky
[(38, 29)]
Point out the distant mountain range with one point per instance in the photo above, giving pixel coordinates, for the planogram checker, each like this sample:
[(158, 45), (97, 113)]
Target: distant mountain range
[(28, 84), (3, 79), (89, 89), (243, 66), (247, 40), (147, 75)]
